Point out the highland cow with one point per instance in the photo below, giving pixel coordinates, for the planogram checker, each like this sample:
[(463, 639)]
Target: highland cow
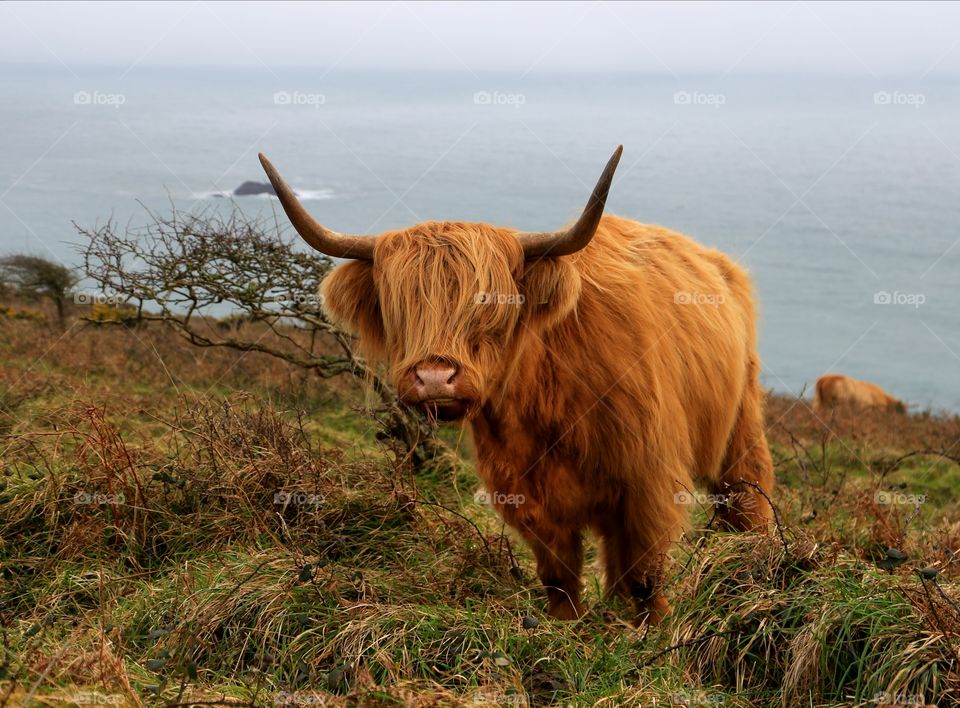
[(603, 370), (833, 390)]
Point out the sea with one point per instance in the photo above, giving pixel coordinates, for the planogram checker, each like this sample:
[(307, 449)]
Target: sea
[(840, 195)]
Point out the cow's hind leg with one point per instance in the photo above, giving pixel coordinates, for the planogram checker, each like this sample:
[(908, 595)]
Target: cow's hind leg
[(745, 484)]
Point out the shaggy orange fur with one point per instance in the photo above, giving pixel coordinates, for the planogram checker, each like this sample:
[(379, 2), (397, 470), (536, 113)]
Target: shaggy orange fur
[(605, 383), (835, 390)]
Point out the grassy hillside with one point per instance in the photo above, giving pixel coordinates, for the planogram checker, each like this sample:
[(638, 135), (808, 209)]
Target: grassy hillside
[(183, 525)]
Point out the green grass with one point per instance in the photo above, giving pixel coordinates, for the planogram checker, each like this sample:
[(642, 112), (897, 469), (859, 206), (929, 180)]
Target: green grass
[(187, 578)]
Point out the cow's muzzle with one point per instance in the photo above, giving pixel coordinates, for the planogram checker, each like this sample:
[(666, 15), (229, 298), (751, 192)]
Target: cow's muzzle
[(434, 386)]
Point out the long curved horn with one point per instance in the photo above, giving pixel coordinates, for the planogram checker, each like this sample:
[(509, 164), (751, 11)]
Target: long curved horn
[(563, 243), (324, 240)]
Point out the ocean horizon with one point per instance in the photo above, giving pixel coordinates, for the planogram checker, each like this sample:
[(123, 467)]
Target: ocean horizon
[(837, 193)]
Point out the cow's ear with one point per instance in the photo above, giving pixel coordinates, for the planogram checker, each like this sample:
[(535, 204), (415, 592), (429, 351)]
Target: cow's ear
[(551, 288), (350, 301)]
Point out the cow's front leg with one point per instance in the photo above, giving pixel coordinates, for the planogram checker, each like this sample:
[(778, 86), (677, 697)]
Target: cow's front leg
[(551, 530), (559, 554), (635, 548)]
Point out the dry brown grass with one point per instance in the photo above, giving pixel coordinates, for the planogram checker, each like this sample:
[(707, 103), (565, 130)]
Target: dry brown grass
[(189, 580), (874, 429)]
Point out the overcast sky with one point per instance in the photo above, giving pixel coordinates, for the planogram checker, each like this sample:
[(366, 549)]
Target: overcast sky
[(911, 38)]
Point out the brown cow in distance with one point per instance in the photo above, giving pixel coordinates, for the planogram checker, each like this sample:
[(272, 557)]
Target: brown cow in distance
[(602, 370), (834, 390)]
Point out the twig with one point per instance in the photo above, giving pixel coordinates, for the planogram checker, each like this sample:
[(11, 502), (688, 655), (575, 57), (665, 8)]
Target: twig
[(936, 616), (686, 644), (773, 507), (906, 525), (946, 597), (486, 545)]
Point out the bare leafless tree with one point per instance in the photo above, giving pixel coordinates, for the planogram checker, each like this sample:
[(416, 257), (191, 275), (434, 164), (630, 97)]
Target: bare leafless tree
[(225, 279)]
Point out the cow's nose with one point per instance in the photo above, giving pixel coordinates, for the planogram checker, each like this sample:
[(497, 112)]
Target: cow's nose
[(435, 379)]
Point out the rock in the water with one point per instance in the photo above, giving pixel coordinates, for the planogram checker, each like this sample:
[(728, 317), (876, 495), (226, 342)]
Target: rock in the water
[(248, 189)]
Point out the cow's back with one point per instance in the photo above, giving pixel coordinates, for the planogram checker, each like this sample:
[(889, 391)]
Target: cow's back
[(666, 328)]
